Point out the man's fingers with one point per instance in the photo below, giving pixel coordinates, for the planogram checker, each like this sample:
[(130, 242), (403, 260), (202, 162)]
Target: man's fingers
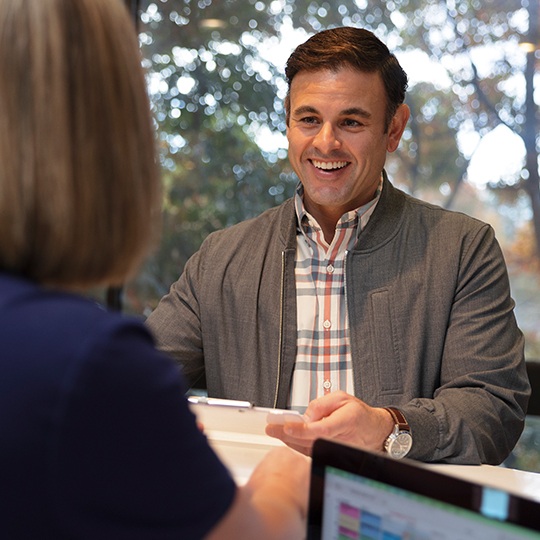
[(324, 406)]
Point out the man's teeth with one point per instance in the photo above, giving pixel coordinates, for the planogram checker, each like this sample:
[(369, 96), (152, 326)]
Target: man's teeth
[(329, 165)]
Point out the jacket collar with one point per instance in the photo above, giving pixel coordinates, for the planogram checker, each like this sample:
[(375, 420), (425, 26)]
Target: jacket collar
[(382, 225)]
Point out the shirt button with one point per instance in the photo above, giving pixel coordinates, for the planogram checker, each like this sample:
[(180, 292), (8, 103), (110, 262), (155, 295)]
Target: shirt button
[(330, 268), (327, 324), (327, 384)]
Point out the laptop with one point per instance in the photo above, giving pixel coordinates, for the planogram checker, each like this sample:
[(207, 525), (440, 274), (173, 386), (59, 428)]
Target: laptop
[(355, 494)]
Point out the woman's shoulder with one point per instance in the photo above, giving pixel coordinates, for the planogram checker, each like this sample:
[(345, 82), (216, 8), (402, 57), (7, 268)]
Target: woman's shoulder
[(59, 326)]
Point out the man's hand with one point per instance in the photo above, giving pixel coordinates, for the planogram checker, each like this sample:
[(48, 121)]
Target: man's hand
[(338, 416)]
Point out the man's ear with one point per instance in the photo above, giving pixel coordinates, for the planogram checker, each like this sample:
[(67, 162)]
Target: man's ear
[(397, 127)]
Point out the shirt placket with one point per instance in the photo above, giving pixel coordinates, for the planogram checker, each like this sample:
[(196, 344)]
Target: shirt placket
[(331, 323)]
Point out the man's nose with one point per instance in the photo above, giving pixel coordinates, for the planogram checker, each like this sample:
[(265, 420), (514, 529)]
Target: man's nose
[(326, 139)]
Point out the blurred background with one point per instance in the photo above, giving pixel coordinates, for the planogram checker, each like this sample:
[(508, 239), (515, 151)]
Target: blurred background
[(215, 73)]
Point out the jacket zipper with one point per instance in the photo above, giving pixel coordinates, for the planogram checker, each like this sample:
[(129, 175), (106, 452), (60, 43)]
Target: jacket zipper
[(282, 292), (345, 294), (345, 285)]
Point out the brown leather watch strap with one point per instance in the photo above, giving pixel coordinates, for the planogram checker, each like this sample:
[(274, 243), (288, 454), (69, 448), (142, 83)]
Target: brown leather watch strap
[(399, 419)]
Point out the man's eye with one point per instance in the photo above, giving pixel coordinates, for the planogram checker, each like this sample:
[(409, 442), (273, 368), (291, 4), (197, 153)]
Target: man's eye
[(308, 120), (349, 122)]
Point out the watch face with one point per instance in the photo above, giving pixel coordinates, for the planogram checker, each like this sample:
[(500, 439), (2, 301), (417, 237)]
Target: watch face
[(400, 446)]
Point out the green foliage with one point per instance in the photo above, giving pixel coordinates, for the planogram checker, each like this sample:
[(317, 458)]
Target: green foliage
[(526, 454), (215, 73)]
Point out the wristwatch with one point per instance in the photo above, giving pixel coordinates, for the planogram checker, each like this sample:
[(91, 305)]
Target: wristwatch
[(399, 442)]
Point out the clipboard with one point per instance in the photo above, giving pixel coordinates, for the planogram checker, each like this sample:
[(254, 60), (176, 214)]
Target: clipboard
[(226, 415), (236, 431)]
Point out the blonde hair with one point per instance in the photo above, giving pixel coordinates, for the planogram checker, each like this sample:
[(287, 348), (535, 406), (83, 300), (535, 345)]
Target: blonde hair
[(79, 185)]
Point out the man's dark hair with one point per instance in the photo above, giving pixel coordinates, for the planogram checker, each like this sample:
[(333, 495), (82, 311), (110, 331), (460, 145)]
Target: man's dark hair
[(350, 47)]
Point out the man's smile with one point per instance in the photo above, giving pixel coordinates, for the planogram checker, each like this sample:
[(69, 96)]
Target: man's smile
[(329, 165)]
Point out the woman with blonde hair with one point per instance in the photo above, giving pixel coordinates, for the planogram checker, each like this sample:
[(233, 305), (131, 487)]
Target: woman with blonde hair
[(96, 438)]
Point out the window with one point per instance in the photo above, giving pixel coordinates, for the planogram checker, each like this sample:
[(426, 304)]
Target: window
[(215, 76)]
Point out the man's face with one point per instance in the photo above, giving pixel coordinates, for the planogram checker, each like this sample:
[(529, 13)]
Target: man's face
[(337, 144)]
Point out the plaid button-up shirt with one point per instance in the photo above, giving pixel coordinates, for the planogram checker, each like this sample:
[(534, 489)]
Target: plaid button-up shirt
[(323, 354)]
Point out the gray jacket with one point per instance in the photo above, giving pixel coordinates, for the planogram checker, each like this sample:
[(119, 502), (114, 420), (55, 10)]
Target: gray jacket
[(431, 323)]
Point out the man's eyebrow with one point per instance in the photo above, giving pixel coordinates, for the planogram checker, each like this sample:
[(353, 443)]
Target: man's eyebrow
[(356, 111), (352, 111), (305, 109)]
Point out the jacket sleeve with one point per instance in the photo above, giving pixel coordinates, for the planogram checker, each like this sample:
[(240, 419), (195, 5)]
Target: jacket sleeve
[(176, 323), (477, 412)]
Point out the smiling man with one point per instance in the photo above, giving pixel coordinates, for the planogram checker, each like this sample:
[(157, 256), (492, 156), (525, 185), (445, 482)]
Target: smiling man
[(386, 320), (338, 139)]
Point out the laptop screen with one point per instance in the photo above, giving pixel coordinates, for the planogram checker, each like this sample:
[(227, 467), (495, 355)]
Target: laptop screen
[(359, 495)]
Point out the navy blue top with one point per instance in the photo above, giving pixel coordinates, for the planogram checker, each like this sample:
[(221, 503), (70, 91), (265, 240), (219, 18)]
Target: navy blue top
[(96, 439)]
